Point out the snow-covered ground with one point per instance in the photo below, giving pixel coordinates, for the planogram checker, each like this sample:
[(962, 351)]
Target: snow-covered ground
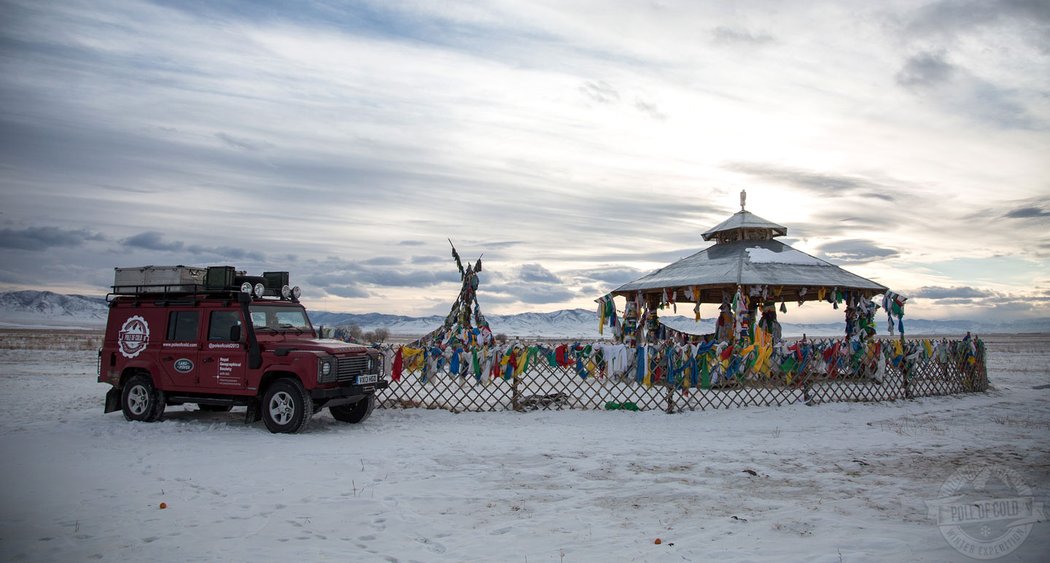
[(834, 482)]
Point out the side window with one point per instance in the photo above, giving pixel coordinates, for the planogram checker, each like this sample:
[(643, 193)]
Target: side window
[(221, 322), (182, 325)]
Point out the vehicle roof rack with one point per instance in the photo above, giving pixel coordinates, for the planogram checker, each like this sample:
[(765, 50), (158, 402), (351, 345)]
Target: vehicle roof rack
[(164, 282)]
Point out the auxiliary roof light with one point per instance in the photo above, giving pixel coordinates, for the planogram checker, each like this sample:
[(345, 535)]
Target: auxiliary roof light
[(296, 292), (259, 290), (286, 292), (246, 287)]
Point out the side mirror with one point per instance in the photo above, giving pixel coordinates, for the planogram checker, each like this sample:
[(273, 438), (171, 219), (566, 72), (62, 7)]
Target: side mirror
[(235, 333)]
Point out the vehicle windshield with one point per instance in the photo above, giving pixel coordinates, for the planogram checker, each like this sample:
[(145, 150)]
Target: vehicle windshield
[(279, 319)]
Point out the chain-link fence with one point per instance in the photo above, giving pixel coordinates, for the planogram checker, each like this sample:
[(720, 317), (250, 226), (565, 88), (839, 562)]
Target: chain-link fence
[(675, 377)]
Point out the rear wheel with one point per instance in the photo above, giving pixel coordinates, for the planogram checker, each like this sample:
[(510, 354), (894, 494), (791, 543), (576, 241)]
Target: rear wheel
[(286, 407), (354, 412), (140, 400)]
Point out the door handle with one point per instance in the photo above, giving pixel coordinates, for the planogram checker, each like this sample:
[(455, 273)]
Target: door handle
[(167, 359), (209, 360)]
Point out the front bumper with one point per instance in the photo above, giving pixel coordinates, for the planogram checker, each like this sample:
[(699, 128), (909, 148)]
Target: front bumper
[(348, 393)]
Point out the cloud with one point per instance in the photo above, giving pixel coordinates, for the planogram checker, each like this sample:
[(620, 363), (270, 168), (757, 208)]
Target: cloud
[(354, 278), (599, 281), (953, 17), (341, 284), (383, 261), (1008, 309), (603, 93), (649, 109), (933, 292), (535, 273), (226, 252), (531, 284), (1027, 213), (824, 184), (427, 259), (833, 221), (503, 244), (957, 301), (324, 276), (240, 143), (1002, 107), (599, 91), (731, 36), (855, 251), (347, 291), (525, 293), (613, 275), (156, 242), (388, 277), (961, 50), (925, 69), (662, 257), (42, 238), (152, 240)]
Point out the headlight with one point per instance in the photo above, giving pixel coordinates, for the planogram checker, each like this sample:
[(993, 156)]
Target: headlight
[(324, 370)]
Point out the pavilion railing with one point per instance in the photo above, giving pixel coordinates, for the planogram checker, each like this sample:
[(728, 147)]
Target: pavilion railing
[(523, 376)]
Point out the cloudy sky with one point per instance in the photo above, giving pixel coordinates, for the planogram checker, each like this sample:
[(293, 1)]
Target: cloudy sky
[(577, 145)]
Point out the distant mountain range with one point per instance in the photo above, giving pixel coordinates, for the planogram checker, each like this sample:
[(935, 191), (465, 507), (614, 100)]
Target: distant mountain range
[(32, 309), (44, 309)]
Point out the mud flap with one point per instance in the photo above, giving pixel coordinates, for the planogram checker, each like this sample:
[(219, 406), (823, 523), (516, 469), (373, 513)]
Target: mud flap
[(252, 413), (112, 400)]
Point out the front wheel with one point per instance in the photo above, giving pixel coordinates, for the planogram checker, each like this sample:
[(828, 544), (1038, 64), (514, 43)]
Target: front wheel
[(354, 412), (286, 407), (140, 400)]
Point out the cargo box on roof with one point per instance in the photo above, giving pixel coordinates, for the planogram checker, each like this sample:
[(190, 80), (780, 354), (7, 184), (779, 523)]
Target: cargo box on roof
[(158, 279), (275, 280), (219, 277)]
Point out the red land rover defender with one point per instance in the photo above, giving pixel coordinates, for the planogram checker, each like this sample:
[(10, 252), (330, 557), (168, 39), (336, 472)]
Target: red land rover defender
[(218, 338)]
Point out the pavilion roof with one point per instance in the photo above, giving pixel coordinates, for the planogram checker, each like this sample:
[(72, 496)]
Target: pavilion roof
[(746, 225), (768, 262)]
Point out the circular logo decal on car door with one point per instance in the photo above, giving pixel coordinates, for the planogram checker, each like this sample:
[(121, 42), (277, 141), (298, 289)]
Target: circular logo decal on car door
[(183, 365), (133, 337)]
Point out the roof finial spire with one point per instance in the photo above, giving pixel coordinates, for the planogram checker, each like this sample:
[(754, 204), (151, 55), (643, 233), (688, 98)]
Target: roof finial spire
[(743, 199)]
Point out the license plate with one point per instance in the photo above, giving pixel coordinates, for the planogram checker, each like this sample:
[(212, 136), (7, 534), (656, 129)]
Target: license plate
[(363, 379)]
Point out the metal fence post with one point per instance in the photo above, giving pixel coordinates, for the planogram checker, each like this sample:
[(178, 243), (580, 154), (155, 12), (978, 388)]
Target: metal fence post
[(905, 372), (515, 394)]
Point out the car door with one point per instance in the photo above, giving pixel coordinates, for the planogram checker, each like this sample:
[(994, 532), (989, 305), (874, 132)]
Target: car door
[(224, 356), (180, 350)]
